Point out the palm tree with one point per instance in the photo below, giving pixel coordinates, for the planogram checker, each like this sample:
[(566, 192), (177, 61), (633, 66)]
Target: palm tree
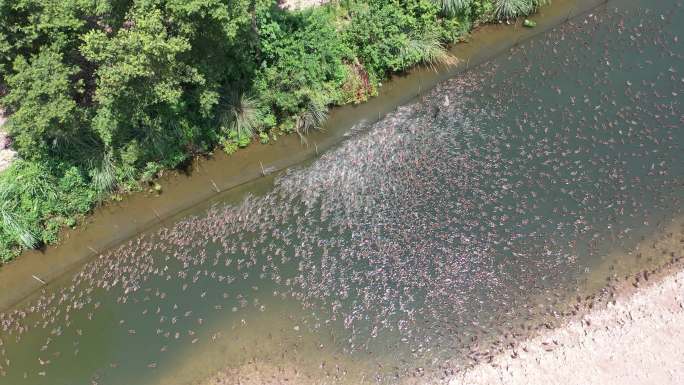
[(243, 116), (313, 117), (429, 48), (104, 176)]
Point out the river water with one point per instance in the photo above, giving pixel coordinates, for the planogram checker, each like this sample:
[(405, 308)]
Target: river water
[(461, 220)]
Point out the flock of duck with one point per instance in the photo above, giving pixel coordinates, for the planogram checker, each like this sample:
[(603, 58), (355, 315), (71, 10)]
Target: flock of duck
[(430, 233)]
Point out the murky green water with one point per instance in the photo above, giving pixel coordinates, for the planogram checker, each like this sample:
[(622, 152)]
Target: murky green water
[(441, 227)]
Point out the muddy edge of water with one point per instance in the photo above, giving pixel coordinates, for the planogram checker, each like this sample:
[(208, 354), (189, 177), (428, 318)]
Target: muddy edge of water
[(219, 175)]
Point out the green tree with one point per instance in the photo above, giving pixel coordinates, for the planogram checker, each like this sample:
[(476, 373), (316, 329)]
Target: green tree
[(41, 103)]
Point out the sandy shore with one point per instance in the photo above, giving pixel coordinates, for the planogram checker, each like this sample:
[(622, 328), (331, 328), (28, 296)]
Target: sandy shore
[(638, 340), (636, 336), (635, 340)]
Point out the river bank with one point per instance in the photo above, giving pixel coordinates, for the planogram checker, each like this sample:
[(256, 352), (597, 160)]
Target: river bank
[(283, 82), (638, 340), (210, 178)]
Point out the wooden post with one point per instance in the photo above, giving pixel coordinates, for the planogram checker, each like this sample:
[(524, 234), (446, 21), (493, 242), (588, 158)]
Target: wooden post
[(215, 186), (38, 279)]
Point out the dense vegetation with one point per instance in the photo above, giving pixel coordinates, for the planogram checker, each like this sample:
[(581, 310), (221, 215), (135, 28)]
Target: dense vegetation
[(103, 95)]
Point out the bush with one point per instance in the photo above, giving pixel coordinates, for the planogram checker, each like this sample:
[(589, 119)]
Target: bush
[(303, 61), (34, 203)]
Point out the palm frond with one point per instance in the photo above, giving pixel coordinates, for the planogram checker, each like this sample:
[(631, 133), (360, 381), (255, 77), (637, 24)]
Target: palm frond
[(244, 116), (104, 176), (510, 9), (453, 7), (312, 118), (14, 228), (430, 49), (11, 225)]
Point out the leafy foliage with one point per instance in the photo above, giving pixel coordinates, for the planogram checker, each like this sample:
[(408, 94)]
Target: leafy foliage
[(34, 205), (104, 94), (303, 61), (44, 113)]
